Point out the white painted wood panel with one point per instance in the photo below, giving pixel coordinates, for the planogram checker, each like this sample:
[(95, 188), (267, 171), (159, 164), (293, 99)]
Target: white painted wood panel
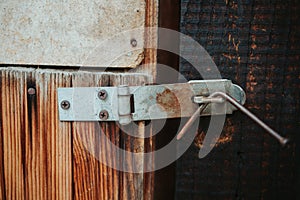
[(66, 33)]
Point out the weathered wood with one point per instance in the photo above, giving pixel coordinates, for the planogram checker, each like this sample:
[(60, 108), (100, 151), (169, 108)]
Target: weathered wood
[(93, 179), (45, 158), (133, 183), (253, 44), (150, 61), (87, 173), (36, 146), (169, 17), (2, 183)]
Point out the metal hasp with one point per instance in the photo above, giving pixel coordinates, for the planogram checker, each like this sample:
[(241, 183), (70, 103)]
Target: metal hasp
[(136, 103)]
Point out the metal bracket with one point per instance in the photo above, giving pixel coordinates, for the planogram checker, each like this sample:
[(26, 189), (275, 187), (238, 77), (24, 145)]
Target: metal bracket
[(136, 103)]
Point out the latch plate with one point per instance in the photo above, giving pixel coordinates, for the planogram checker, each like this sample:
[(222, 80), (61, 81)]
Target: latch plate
[(85, 105), (136, 103)]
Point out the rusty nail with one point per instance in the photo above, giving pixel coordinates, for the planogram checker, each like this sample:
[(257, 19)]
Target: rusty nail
[(133, 42), (31, 91), (102, 94), (104, 115), (65, 104)]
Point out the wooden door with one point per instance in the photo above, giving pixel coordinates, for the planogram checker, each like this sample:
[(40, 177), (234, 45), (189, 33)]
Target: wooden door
[(44, 158)]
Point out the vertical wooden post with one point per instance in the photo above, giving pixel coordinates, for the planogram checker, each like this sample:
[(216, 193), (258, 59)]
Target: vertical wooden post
[(169, 17)]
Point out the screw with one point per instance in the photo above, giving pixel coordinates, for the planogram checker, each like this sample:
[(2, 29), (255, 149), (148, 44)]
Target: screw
[(65, 104), (102, 94), (133, 42), (31, 91), (104, 115)]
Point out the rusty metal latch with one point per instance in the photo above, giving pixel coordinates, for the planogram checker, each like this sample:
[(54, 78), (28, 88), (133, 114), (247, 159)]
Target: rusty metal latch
[(138, 103), (135, 103)]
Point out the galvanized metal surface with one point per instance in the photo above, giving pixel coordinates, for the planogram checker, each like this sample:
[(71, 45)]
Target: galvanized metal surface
[(71, 33), (85, 105), (148, 102)]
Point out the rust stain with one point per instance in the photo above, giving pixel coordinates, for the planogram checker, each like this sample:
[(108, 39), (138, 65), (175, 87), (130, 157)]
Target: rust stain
[(253, 46), (168, 101), (228, 56), (225, 137), (251, 83), (236, 44)]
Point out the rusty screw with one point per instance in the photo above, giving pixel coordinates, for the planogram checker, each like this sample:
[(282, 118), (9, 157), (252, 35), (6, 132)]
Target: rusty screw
[(133, 42), (102, 94), (104, 115), (65, 104)]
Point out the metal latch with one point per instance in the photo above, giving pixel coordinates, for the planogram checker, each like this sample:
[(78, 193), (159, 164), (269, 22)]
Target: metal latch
[(138, 103)]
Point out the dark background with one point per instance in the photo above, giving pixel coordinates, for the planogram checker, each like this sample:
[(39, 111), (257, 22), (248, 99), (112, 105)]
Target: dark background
[(256, 45)]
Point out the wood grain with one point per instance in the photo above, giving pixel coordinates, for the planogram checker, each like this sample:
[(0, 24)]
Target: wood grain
[(43, 158), (2, 181), (93, 179), (36, 146), (150, 67), (133, 183), (54, 136)]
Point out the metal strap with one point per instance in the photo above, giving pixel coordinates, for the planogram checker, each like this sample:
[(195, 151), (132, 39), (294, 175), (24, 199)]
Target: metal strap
[(137, 103)]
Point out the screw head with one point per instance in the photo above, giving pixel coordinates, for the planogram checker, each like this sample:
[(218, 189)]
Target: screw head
[(102, 94), (103, 115), (65, 104), (31, 91), (133, 42)]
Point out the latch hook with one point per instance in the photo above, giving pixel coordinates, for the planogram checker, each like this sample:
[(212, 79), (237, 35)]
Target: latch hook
[(216, 98)]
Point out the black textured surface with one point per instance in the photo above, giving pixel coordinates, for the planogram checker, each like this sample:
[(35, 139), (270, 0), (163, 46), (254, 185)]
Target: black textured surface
[(256, 44)]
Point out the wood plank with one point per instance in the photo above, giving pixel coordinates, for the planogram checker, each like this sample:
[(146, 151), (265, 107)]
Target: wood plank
[(57, 137), (93, 179), (89, 174), (36, 146), (133, 183), (150, 67), (12, 135), (2, 181), (169, 17)]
